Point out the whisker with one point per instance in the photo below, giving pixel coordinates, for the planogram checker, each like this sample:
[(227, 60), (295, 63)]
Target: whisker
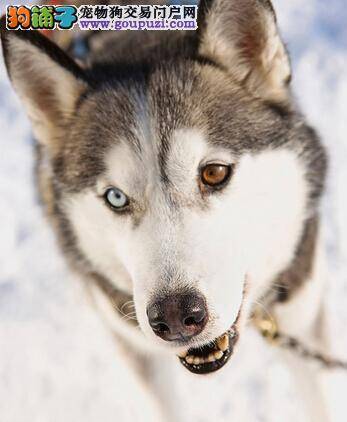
[(264, 308)]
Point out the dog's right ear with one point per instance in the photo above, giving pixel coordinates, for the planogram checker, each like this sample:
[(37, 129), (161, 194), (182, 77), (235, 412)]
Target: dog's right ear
[(47, 80)]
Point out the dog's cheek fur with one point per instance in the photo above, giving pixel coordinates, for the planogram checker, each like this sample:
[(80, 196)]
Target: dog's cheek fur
[(250, 231), (99, 234)]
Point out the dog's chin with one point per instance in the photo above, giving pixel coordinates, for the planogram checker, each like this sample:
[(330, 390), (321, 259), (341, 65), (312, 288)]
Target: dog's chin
[(211, 356)]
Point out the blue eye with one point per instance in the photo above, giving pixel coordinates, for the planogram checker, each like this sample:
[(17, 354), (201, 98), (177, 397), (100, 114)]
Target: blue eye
[(116, 198)]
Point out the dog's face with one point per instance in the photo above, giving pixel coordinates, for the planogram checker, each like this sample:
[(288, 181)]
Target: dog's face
[(178, 182)]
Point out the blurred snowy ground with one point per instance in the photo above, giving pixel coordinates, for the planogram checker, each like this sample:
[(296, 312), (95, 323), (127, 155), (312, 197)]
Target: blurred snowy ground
[(57, 361)]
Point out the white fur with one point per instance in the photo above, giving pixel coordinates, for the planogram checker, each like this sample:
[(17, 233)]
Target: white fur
[(249, 230), (304, 318)]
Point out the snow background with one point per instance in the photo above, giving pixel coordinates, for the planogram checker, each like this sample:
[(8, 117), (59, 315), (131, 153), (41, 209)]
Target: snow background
[(58, 362)]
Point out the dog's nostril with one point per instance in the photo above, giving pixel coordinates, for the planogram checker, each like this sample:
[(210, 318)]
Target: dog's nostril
[(190, 321), (161, 327), (195, 319)]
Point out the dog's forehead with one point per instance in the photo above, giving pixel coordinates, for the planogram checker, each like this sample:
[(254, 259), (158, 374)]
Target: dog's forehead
[(145, 166), (159, 139), (167, 114), (167, 137)]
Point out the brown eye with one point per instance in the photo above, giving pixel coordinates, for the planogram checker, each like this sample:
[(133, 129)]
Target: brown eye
[(215, 175)]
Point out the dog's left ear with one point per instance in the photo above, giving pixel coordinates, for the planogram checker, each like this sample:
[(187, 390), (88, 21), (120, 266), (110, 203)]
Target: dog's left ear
[(242, 37), (47, 80)]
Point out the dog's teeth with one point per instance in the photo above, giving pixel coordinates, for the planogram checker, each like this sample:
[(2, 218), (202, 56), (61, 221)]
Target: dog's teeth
[(197, 361), (211, 358), (190, 359), (223, 343), (218, 354)]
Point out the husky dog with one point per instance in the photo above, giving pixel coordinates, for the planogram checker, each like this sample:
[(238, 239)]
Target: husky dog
[(179, 174)]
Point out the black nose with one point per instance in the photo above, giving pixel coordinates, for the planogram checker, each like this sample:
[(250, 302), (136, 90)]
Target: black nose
[(178, 317)]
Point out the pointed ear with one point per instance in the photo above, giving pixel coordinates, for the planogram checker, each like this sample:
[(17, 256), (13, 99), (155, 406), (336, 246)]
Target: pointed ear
[(48, 81), (242, 36)]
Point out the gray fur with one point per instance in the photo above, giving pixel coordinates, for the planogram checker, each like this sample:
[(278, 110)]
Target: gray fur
[(180, 88)]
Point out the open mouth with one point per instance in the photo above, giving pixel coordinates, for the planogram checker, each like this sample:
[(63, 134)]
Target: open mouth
[(212, 356)]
